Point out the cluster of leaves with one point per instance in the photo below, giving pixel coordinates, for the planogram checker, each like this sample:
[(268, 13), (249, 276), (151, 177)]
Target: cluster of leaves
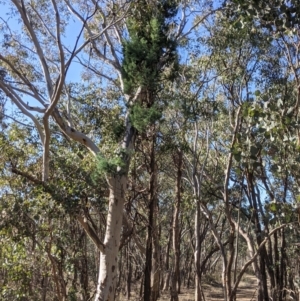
[(141, 117), (275, 15), (17, 268), (150, 47), (115, 165)]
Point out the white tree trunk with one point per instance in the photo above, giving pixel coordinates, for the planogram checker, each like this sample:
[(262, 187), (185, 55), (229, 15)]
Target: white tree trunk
[(109, 258)]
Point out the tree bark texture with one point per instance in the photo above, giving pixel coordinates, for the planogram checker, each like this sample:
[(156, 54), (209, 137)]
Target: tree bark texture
[(149, 280), (197, 254), (176, 241), (108, 259), (166, 283)]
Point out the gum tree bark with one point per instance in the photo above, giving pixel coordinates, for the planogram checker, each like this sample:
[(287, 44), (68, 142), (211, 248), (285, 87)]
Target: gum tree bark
[(117, 190), (108, 259), (52, 79)]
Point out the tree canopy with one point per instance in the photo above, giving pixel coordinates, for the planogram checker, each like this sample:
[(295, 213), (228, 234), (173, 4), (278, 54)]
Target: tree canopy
[(148, 147)]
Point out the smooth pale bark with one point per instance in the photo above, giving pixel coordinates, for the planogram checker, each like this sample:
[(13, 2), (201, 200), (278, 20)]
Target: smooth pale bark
[(166, 283), (117, 183), (109, 249), (108, 259), (228, 262), (251, 250), (253, 258)]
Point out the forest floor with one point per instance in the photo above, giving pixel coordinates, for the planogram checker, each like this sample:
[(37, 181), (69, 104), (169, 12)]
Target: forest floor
[(214, 291)]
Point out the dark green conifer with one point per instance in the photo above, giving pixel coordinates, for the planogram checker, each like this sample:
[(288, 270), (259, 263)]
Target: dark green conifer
[(150, 47)]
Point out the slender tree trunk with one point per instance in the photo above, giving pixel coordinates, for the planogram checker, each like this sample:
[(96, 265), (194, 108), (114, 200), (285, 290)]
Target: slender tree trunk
[(155, 270), (129, 271), (44, 287), (167, 265), (263, 287), (230, 263), (197, 253), (151, 224), (189, 273), (277, 271), (117, 183), (142, 286), (176, 241), (148, 262), (251, 249), (283, 278), (84, 276), (237, 246)]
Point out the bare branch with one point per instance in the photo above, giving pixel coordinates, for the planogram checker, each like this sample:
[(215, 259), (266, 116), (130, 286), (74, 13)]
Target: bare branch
[(91, 233), (17, 121), (74, 134), (244, 268), (229, 163), (179, 37), (46, 150), (15, 100), (24, 79), (43, 22), (23, 13)]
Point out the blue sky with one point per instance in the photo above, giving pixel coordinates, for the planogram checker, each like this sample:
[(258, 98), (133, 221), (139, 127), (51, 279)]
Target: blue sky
[(72, 31), (69, 38)]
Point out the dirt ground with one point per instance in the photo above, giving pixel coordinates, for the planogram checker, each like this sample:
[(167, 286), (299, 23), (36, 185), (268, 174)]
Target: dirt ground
[(214, 292)]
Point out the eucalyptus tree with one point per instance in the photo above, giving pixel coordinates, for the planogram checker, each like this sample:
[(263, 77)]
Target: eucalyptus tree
[(41, 226), (226, 111), (269, 119), (238, 68), (275, 15), (277, 139), (35, 68)]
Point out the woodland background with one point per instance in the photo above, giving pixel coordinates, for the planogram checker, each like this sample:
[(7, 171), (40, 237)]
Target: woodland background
[(148, 147)]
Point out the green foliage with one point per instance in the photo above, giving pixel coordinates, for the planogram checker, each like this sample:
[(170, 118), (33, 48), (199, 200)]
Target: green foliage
[(276, 15), (150, 48), (111, 166), (17, 268), (224, 66), (118, 129), (142, 117), (283, 212)]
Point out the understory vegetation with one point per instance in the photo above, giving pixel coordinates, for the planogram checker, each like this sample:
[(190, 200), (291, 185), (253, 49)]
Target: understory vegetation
[(149, 148)]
